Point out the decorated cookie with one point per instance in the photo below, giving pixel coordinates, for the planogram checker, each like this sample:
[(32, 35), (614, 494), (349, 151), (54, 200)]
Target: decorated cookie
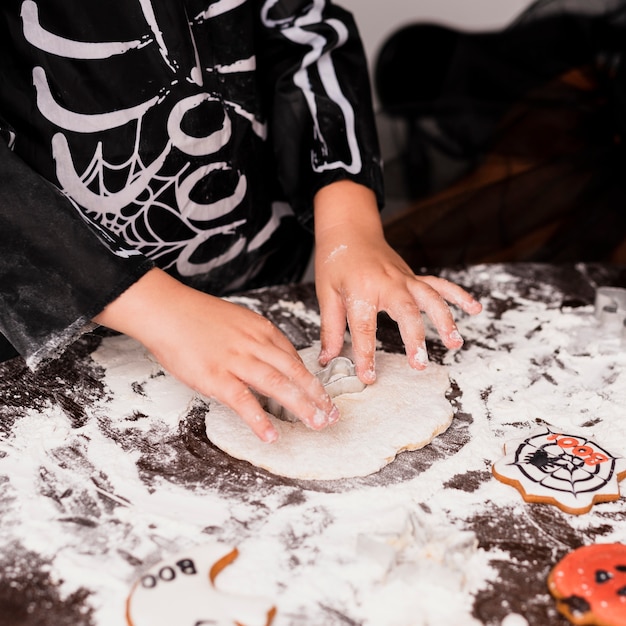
[(569, 471), (183, 591), (590, 585)]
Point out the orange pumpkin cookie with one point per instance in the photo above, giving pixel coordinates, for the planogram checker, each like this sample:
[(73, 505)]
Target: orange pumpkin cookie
[(567, 470), (183, 591), (590, 585)]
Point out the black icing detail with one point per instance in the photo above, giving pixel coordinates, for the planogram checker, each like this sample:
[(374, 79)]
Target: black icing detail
[(620, 568), (539, 459), (603, 576), (577, 606), (622, 591)]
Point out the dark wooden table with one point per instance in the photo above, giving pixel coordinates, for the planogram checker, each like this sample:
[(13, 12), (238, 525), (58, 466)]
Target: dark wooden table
[(105, 470)]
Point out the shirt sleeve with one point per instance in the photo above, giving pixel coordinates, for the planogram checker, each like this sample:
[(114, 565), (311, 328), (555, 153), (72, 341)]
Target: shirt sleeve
[(321, 119), (56, 270)]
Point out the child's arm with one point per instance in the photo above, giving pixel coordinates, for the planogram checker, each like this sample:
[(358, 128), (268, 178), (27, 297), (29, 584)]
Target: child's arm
[(56, 271), (358, 274), (219, 349)]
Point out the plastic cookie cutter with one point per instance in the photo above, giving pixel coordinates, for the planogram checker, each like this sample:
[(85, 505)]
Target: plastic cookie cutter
[(610, 310), (338, 377)]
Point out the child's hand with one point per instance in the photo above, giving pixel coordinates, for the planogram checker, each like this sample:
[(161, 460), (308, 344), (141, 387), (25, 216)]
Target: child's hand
[(358, 274), (221, 350)]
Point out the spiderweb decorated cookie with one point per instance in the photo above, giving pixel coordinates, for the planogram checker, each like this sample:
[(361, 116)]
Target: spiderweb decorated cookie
[(569, 471), (182, 591), (590, 585)]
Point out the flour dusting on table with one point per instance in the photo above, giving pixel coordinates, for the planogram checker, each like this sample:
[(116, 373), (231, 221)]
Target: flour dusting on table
[(105, 470)]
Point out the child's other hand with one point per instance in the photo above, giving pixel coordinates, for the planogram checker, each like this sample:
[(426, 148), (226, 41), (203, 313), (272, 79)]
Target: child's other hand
[(221, 350), (358, 274)]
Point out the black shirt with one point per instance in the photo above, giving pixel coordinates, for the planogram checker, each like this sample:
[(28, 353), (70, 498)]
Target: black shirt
[(188, 134)]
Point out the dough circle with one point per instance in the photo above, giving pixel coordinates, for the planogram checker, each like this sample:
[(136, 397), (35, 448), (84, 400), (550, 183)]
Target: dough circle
[(404, 410)]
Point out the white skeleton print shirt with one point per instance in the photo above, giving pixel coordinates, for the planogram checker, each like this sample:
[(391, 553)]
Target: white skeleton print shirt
[(185, 133)]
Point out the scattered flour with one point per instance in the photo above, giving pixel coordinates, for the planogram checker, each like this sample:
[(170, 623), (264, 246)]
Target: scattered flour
[(103, 500)]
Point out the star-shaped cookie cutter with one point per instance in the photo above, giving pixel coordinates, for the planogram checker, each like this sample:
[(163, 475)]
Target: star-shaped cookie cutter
[(337, 378), (610, 310)]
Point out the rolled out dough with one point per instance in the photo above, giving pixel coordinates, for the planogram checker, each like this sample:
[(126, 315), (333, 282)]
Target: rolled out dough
[(403, 410)]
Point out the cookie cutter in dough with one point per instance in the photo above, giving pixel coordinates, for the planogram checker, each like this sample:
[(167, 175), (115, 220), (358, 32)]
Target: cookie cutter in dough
[(610, 310), (337, 378)]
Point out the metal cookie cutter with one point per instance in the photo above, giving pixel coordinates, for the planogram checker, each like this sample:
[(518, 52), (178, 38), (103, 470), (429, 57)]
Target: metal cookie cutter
[(338, 377), (610, 309)]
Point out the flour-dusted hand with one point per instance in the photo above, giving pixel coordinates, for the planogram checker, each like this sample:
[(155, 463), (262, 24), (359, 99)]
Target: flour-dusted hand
[(358, 274), (220, 349)]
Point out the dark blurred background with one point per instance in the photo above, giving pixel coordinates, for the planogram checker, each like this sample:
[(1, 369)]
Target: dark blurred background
[(510, 140)]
